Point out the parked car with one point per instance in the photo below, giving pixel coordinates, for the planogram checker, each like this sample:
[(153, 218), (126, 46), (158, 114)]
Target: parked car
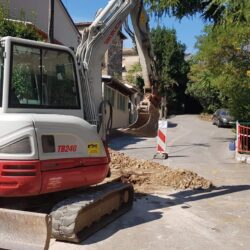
[(222, 118)]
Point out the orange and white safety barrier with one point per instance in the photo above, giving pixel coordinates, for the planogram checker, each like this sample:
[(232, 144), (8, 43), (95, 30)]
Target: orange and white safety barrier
[(161, 149), (243, 142)]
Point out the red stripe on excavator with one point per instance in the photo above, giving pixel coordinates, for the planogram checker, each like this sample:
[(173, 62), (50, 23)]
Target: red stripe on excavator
[(27, 178), (48, 165)]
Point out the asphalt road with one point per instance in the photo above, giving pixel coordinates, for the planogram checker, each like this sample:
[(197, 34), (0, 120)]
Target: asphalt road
[(174, 219)]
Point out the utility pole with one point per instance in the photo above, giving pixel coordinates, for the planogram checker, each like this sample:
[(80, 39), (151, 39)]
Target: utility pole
[(51, 21)]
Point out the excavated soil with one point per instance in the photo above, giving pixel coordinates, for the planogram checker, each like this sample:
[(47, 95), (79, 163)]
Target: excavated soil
[(148, 176), (205, 117)]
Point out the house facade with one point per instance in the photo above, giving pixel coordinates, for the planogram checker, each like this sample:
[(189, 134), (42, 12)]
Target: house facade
[(119, 95), (37, 13)]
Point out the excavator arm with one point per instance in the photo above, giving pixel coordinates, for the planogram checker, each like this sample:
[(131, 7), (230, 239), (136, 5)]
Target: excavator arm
[(96, 39)]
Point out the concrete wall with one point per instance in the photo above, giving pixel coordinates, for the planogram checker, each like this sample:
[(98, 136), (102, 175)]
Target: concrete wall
[(120, 117), (37, 12)]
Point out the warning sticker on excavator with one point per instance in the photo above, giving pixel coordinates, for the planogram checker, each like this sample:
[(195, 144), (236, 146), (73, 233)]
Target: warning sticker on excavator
[(93, 148)]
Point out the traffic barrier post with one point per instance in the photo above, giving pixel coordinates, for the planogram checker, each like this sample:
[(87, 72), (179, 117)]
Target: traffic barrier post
[(161, 149)]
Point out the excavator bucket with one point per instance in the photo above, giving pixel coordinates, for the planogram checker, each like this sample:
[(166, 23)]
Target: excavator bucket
[(146, 124), (21, 230)]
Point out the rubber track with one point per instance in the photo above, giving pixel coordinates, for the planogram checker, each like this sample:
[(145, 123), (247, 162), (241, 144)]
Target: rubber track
[(66, 213)]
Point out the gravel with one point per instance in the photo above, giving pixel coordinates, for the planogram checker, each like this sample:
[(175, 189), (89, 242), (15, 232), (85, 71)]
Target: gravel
[(148, 176)]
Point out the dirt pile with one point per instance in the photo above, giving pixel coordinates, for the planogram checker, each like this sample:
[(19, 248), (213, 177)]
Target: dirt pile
[(148, 176), (205, 117)]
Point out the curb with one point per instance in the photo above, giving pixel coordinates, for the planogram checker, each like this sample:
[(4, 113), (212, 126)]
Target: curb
[(243, 158)]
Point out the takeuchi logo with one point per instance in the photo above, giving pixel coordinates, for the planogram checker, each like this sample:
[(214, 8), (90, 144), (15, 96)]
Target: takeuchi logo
[(66, 148)]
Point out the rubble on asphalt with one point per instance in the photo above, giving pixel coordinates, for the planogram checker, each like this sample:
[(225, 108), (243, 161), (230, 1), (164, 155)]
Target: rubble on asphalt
[(148, 176)]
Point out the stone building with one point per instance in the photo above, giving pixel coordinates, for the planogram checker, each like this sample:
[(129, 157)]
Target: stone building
[(113, 57), (112, 62)]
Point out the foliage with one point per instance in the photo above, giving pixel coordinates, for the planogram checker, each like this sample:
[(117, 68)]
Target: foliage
[(201, 88), (134, 76), (170, 64), (219, 70), (21, 79), (217, 11), (16, 29)]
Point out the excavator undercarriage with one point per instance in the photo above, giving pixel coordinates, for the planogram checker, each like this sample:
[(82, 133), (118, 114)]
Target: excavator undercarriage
[(76, 218), (70, 216)]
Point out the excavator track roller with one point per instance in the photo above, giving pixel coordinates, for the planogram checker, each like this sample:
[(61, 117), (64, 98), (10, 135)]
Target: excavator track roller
[(78, 217)]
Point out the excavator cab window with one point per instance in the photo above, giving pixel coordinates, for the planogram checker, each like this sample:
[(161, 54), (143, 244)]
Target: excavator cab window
[(42, 78)]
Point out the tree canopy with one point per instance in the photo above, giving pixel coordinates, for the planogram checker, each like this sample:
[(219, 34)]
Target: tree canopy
[(219, 70), (171, 67), (14, 28), (217, 11)]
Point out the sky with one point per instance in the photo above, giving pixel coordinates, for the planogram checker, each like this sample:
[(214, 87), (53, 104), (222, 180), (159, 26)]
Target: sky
[(187, 30)]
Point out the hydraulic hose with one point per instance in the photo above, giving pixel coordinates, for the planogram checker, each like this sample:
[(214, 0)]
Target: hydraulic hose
[(108, 127)]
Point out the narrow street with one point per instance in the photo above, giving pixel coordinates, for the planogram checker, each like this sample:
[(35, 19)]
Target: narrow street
[(195, 145), (174, 219)]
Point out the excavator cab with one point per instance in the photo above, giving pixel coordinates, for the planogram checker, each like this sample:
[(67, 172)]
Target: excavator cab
[(44, 138)]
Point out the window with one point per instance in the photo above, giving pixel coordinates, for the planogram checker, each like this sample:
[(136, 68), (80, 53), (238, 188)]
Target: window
[(121, 102), (1, 75), (42, 78), (109, 95)]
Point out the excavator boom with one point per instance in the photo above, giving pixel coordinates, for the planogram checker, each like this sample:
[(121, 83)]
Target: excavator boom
[(95, 41)]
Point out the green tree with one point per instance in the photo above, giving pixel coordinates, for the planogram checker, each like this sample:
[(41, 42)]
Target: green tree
[(16, 29), (217, 11), (171, 67), (222, 63), (218, 72), (134, 76), (201, 88)]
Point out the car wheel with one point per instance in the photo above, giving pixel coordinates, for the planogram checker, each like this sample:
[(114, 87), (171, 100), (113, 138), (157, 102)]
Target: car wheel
[(219, 124)]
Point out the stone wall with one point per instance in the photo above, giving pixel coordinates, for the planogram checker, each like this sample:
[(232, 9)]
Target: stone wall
[(114, 58)]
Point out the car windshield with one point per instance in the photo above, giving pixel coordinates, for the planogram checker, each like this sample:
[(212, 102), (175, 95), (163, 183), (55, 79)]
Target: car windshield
[(1, 75), (224, 112)]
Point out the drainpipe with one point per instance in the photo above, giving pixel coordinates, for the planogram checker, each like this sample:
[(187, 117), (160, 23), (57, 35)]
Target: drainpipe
[(51, 21)]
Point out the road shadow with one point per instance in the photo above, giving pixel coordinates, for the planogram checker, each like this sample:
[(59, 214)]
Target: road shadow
[(172, 124), (140, 148), (185, 147), (119, 140), (178, 156), (223, 139), (146, 206)]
